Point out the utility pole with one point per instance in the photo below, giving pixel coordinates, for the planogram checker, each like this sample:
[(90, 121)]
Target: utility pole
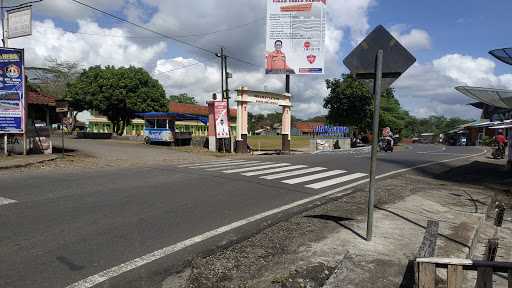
[(4, 44), (221, 55), (227, 75)]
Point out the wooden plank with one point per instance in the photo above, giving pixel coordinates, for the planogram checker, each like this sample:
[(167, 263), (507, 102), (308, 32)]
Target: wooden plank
[(484, 278), (428, 245), (446, 261), (427, 275), (455, 276)]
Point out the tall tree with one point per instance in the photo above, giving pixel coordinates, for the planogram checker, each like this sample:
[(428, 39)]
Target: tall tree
[(183, 98), (54, 78), (349, 103), (117, 93)]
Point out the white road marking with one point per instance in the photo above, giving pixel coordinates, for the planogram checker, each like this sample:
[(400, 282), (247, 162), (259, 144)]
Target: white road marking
[(135, 263), (206, 163), (293, 173), (274, 170), (313, 177), (455, 154), (250, 164), (5, 201), (220, 164), (336, 181), (255, 168)]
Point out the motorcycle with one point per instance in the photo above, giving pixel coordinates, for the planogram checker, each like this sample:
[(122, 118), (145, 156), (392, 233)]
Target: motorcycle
[(499, 151), (385, 145)]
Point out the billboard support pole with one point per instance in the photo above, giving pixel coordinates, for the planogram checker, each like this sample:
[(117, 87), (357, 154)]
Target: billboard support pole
[(285, 146), (5, 145), (375, 142)]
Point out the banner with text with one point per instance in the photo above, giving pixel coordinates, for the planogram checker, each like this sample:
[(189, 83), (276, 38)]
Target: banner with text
[(12, 91), (221, 119), (295, 36)]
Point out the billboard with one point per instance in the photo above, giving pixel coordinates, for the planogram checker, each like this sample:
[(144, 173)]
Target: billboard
[(221, 119), (295, 37), (12, 91), (19, 22)]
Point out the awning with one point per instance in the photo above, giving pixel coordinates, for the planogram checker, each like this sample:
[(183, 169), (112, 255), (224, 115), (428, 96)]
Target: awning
[(502, 126), (504, 55), (494, 97)]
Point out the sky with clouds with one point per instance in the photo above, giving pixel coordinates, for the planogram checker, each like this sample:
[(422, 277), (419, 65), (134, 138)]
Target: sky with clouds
[(450, 39)]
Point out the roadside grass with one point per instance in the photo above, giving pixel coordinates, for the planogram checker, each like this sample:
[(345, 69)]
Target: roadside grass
[(274, 142)]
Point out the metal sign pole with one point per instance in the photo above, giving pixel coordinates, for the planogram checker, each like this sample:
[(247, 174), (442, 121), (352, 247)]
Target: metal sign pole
[(373, 165), (6, 152), (62, 129)]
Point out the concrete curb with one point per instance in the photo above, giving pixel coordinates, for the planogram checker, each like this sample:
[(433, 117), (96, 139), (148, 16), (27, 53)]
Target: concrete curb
[(347, 151), (22, 165)]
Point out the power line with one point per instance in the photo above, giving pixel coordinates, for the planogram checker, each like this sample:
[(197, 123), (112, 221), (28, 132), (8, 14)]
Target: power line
[(177, 36), (179, 68), (143, 27), (156, 32)]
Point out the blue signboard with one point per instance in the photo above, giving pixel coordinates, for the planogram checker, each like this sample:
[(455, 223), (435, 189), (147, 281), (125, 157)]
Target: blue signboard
[(335, 131), (12, 91)]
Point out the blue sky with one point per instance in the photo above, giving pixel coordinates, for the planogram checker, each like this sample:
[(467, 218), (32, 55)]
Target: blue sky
[(471, 27), (450, 39)]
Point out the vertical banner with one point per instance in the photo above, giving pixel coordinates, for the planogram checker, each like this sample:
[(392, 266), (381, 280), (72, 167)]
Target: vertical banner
[(12, 91), (221, 119), (295, 37)]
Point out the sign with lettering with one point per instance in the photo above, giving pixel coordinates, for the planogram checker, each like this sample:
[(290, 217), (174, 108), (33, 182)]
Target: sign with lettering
[(19, 22), (295, 36), (12, 91)]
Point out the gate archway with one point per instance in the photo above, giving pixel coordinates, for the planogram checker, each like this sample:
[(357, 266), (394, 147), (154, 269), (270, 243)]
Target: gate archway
[(244, 97)]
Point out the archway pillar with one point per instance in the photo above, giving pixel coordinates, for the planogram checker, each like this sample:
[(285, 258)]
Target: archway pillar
[(286, 129)]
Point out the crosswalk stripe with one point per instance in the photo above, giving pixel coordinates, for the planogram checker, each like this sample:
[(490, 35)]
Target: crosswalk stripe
[(255, 168), (205, 163), (313, 177), (274, 170), (293, 173), (219, 164), (240, 165), (336, 181), (5, 201)]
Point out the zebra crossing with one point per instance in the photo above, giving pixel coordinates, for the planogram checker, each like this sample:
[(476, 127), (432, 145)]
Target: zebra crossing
[(291, 174)]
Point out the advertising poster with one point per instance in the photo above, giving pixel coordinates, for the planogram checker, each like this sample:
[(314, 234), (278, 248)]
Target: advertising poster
[(221, 119), (12, 98), (295, 36)]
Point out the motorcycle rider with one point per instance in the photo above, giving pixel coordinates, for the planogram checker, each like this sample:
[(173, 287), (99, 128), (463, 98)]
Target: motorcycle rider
[(502, 142)]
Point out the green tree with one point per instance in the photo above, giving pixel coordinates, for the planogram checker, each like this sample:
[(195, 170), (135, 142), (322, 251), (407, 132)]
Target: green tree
[(117, 93), (349, 103), (183, 98)]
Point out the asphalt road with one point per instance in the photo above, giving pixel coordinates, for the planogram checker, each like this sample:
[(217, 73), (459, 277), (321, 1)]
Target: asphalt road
[(69, 225)]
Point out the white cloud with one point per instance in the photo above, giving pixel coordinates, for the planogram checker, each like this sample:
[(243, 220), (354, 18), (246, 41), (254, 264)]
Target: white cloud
[(472, 71), (86, 49), (247, 42), (428, 89), (415, 39)]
